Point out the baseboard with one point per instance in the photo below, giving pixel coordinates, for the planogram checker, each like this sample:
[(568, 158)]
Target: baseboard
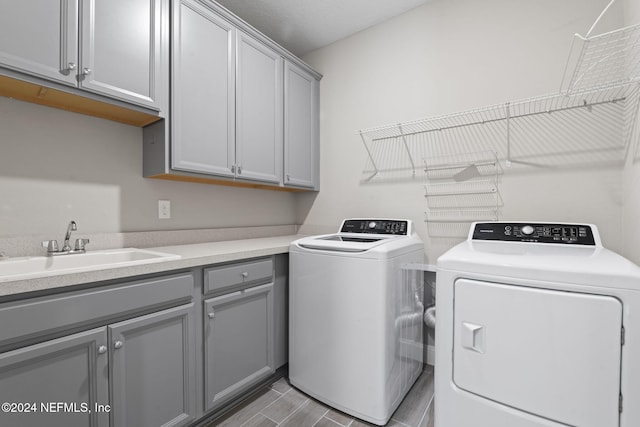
[(431, 355)]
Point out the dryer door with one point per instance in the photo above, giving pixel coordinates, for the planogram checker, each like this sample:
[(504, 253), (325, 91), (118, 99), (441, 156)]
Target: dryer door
[(550, 353)]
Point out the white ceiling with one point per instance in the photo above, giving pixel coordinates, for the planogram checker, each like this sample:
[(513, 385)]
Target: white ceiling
[(301, 26)]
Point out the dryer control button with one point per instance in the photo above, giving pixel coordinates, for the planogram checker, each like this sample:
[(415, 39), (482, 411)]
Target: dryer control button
[(372, 224), (527, 230)]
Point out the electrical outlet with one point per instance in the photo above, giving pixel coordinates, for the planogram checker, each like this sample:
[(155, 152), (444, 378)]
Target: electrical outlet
[(164, 209)]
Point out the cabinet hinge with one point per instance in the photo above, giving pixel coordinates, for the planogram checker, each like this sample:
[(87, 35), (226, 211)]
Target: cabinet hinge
[(622, 336), (620, 403)]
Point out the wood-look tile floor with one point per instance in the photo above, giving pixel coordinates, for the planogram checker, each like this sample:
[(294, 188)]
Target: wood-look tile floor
[(282, 405)]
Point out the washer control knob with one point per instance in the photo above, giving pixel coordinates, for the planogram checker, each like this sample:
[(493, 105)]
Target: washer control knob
[(372, 224), (527, 230)]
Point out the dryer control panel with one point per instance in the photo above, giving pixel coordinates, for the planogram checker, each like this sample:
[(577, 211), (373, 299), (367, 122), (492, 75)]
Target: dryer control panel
[(399, 227), (576, 234)]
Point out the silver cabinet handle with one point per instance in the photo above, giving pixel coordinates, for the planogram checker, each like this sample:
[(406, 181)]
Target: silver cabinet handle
[(211, 315), (239, 169), (117, 344), (233, 168), (102, 349), (70, 67), (86, 71), (288, 177), (245, 274)]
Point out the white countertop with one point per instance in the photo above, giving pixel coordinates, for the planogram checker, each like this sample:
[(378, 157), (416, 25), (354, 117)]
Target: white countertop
[(193, 255)]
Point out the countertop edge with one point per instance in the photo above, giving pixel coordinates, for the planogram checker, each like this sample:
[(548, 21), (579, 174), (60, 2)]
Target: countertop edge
[(192, 256)]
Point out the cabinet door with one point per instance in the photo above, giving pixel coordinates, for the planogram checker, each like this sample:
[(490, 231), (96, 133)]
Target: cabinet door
[(258, 111), (64, 378), (203, 85), (238, 342), (122, 48), (300, 127), (152, 373), (40, 37)]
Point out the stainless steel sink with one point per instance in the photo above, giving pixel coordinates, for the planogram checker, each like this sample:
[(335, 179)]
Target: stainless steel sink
[(44, 266)]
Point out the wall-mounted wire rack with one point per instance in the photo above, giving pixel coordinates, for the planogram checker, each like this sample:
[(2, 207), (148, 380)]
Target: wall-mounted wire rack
[(590, 121), (604, 60), (461, 189), (552, 130)]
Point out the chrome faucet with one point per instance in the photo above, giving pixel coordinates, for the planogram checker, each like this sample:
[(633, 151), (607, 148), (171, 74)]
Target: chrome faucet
[(72, 227), (52, 245)]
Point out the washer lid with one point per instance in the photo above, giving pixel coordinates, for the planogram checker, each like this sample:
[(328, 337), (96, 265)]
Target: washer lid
[(344, 242)]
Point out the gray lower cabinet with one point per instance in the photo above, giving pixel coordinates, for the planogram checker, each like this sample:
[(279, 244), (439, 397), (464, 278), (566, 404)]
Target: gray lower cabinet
[(39, 380), (151, 369), (133, 366), (238, 342), (138, 373)]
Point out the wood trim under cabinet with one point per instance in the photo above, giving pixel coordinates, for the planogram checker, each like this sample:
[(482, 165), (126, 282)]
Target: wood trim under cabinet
[(38, 94), (203, 180)]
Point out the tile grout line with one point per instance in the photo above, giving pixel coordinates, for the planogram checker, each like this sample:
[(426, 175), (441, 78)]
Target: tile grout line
[(321, 417), (279, 397), (260, 411), (264, 415), (401, 423), (336, 421), (254, 415), (426, 411), (294, 411)]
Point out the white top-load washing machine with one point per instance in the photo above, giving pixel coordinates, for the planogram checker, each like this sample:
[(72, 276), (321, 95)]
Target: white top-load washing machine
[(355, 322), (537, 325)]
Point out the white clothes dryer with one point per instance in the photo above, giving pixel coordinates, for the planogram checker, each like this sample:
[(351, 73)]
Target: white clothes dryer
[(537, 325), (355, 326)]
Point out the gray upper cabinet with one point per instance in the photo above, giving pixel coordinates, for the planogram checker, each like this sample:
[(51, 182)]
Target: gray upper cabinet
[(203, 91), (114, 48), (258, 111), (227, 122), (121, 53), (226, 99), (40, 37), (300, 127)]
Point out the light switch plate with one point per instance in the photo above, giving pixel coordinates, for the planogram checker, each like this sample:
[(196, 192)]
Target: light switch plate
[(164, 209)]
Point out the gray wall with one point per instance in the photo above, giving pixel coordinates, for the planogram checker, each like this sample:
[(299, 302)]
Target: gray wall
[(444, 57), (56, 166)]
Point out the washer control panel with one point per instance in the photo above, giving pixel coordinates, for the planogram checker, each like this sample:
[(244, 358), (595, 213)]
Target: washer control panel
[(376, 226), (576, 234)]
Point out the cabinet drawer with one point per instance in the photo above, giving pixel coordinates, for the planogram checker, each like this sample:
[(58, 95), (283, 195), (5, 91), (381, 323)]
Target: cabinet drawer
[(217, 278), (22, 320)]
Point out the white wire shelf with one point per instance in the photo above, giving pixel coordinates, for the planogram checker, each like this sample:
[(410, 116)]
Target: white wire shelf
[(545, 104), (608, 59), (460, 215), (549, 128), (587, 122), (460, 189)]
